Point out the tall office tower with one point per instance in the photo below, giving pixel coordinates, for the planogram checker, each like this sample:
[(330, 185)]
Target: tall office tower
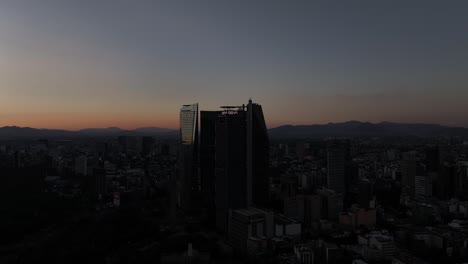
[(241, 148), (258, 153), (207, 160), (81, 165), (462, 180), (189, 182), (410, 168), (230, 163), (234, 154), (338, 158), (446, 182)]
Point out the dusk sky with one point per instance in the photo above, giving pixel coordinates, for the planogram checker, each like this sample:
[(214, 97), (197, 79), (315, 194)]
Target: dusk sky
[(100, 63)]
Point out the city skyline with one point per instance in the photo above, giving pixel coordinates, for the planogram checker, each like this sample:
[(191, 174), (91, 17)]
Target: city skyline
[(71, 65), (177, 127), (234, 131)]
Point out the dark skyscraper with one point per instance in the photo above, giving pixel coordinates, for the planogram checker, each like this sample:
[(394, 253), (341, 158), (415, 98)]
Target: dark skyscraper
[(207, 159), (189, 182), (241, 159), (411, 167), (230, 163), (338, 157), (258, 145)]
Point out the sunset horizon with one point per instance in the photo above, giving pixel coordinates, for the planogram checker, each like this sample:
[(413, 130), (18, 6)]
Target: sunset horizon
[(176, 126), (78, 64)]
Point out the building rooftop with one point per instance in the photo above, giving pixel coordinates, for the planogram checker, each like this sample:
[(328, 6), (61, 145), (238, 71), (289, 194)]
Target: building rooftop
[(282, 219), (250, 212)]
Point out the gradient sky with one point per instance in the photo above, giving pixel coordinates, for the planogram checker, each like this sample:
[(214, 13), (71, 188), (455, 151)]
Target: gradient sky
[(99, 63)]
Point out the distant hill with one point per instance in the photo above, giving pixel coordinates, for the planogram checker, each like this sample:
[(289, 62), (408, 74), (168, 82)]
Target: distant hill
[(366, 129), (14, 132), (11, 132), (154, 130), (100, 131), (346, 129)]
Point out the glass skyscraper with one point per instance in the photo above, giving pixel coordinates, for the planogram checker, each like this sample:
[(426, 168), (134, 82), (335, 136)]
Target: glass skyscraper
[(189, 124), (189, 181)]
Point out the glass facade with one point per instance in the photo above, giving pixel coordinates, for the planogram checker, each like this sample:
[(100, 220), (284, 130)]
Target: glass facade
[(189, 181), (188, 123)]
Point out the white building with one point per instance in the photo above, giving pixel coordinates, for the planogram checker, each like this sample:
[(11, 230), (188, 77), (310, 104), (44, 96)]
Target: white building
[(377, 245), (304, 254)]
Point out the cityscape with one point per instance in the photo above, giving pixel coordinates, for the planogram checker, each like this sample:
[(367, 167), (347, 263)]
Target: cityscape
[(222, 190), (250, 131)]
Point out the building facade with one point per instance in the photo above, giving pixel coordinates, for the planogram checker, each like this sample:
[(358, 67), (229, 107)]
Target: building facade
[(237, 138), (189, 180)]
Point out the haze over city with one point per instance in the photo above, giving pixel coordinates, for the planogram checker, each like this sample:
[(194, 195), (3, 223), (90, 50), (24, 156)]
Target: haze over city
[(78, 64)]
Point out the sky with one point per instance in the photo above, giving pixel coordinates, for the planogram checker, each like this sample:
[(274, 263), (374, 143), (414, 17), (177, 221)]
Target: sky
[(74, 64)]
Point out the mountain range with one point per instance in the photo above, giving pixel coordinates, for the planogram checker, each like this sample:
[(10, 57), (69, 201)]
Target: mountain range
[(346, 129), (366, 129), (14, 132)]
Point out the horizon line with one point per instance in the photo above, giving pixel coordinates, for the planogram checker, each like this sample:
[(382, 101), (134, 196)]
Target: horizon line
[(269, 127)]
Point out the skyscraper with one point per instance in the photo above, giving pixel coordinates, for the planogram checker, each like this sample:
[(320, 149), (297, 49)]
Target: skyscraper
[(411, 166), (189, 181), (230, 163), (258, 153), (241, 148), (338, 156), (207, 160)]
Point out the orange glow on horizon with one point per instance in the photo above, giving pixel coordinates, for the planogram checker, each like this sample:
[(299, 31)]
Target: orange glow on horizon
[(77, 121)]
